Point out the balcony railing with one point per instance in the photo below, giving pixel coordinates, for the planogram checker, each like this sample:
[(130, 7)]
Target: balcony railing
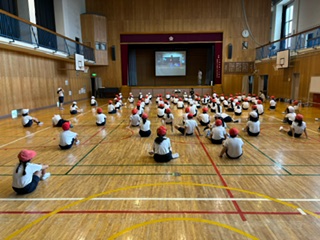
[(27, 34), (301, 42)]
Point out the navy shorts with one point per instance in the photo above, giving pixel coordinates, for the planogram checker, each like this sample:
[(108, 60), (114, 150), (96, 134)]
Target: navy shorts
[(61, 99), (30, 187)]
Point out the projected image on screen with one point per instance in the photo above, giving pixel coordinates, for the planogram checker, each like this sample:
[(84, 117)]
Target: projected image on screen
[(170, 63)]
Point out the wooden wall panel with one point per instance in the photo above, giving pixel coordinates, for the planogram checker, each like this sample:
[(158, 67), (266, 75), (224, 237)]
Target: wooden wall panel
[(280, 81), (29, 81), (165, 16)]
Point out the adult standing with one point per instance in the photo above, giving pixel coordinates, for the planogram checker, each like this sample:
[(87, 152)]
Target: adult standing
[(60, 93), (199, 77)]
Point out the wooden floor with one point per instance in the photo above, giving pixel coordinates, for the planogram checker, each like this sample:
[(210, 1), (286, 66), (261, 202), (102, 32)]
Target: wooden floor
[(108, 187)]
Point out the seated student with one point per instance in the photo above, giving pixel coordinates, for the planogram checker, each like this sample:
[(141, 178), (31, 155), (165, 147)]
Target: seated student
[(232, 147), (140, 96), (204, 117), (74, 109), (118, 104), (147, 100), (130, 98), (57, 121), (168, 118), (68, 138), (134, 120), (253, 109), (27, 175), (238, 109), (168, 96), (272, 103), (225, 117), (231, 105), (260, 107), (245, 104), (218, 133), (160, 111), (262, 97), (297, 128), (296, 106), (100, 118), (180, 104), (27, 120), (253, 125), (162, 151), (140, 108), (175, 99), (193, 108), (189, 126), (111, 108), (290, 116), (93, 101), (145, 126)]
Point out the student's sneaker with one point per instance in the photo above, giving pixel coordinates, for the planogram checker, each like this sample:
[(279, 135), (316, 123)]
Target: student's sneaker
[(151, 153), (243, 130), (40, 123), (175, 155), (77, 142), (280, 128), (71, 126), (45, 176), (61, 108), (316, 119)]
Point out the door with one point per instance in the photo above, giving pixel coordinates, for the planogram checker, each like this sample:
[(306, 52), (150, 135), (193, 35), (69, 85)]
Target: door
[(263, 84), (295, 86), (250, 90)]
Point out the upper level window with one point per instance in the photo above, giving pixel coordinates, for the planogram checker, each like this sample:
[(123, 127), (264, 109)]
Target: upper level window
[(288, 24)]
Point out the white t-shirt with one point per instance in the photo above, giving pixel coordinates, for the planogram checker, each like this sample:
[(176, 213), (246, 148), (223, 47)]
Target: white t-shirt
[(234, 146), (110, 108), (56, 119), (245, 105), (160, 111), (204, 117), (291, 116), (26, 119), (168, 119), (162, 148), (218, 133), (254, 127), (180, 104), (135, 120), (145, 126), (101, 117), (193, 109), (190, 125), (260, 108), (298, 129), (72, 108), (20, 181), (273, 103), (93, 101), (66, 137), (238, 109), (200, 75)]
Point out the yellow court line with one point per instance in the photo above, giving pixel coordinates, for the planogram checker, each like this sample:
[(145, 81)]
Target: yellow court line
[(151, 185), (182, 219)]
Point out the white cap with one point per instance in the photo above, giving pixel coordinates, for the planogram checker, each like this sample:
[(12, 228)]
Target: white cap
[(92, 97), (59, 88), (74, 103), (254, 114), (25, 111), (291, 109)]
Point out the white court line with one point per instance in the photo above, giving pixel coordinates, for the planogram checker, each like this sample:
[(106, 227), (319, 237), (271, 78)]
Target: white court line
[(161, 199), (301, 211), (23, 137)]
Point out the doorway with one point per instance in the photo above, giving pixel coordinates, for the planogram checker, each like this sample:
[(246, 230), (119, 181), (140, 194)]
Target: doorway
[(295, 85), (263, 84)]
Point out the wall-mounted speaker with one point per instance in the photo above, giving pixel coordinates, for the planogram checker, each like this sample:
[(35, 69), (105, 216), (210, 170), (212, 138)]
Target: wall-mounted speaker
[(229, 51), (113, 52)]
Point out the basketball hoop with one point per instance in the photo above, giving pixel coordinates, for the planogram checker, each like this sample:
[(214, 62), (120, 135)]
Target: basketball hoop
[(86, 69)]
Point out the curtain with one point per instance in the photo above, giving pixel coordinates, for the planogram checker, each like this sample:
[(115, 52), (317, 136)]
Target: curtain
[(210, 66), (133, 80)]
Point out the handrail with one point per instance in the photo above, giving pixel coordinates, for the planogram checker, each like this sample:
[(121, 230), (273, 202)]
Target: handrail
[(18, 29), (304, 41)]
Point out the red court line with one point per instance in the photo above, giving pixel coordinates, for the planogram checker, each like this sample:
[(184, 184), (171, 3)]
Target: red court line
[(222, 180), (149, 212)]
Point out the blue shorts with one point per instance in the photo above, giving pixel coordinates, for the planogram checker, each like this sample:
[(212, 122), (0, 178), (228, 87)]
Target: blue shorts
[(30, 187)]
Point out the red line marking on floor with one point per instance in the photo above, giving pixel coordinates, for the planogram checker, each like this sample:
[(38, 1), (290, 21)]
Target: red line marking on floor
[(222, 180)]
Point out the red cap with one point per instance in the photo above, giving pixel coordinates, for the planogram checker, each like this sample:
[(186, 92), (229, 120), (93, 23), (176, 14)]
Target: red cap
[(190, 116), (246, 99), (187, 109), (238, 103), (168, 110), (299, 117), (180, 99), (99, 110), (272, 97), (218, 122), (233, 132), (138, 104), (254, 107), (66, 126), (205, 109), (110, 101), (259, 102), (161, 105), (144, 116), (296, 102), (134, 111), (26, 155), (162, 130)]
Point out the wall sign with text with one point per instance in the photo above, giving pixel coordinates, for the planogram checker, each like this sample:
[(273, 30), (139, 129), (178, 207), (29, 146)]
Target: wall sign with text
[(238, 67)]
